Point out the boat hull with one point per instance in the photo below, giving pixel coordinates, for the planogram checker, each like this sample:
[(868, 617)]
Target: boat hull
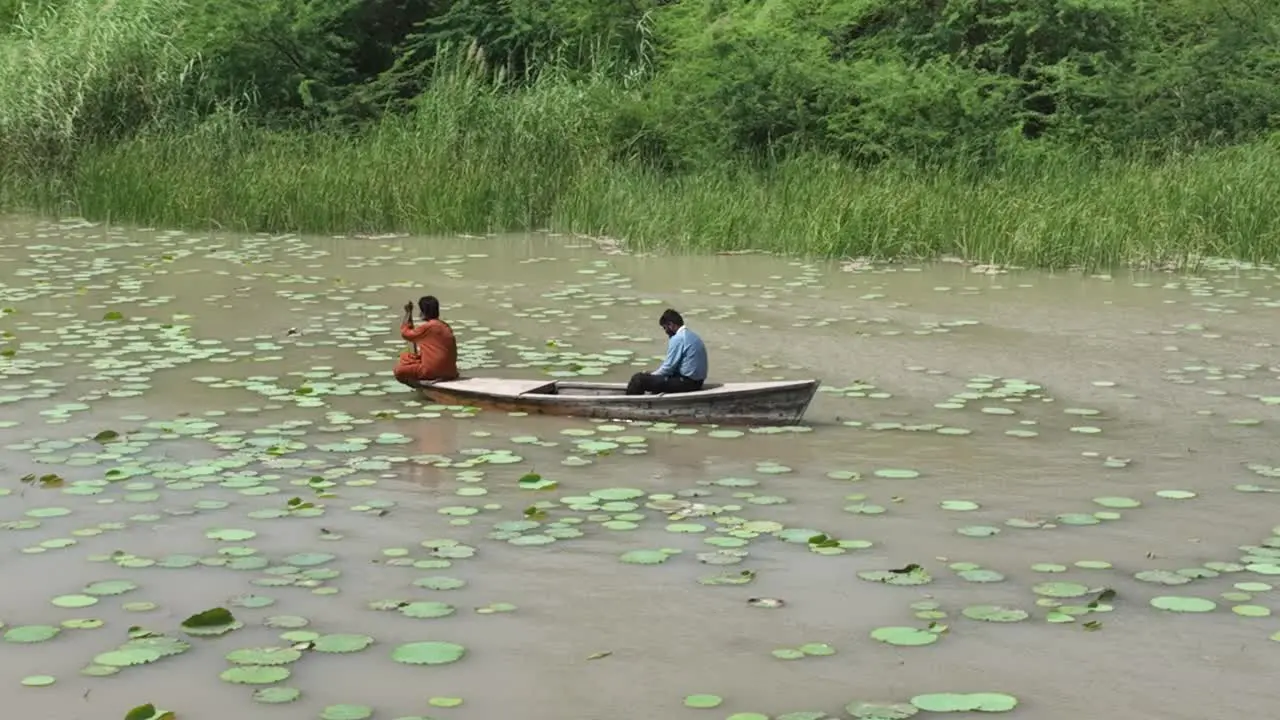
[(756, 403)]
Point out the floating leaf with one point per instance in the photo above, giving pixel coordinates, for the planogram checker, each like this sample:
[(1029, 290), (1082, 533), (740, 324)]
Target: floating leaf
[(426, 609), (703, 702), (904, 636), (275, 695), (109, 587), (342, 643), (255, 674), (1183, 604), (31, 633), (428, 653), (262, 656), (74, 601), (439, 582), (910, 575), (644, 557), (994, 613), (1060, 589), (817, 649), (346, 712), (960, 702)]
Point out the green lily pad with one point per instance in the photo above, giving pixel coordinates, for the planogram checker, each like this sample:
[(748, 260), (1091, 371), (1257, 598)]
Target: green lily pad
[(74, 601), (109, 587), (276, 695), (1060, 589), (904, 636), (1183, 604), (994, 613), (644, 557), (981, 575), (128, 657), (263, 656), (342, 643), (1253, 611), (912, 575), (428, 653), (346, 712), (255, 674), (965, 702), (439, 582), (427, 609), (31, 633), (703, 702), (617, 494), (817, 649)]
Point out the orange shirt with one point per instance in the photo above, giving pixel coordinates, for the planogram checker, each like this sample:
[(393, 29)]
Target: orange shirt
[(436, 347)]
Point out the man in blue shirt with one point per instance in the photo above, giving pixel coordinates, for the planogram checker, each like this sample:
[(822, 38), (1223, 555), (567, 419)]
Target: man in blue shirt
[(684, 369)]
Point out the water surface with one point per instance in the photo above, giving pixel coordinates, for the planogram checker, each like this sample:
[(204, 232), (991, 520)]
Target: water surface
[(240, 372)]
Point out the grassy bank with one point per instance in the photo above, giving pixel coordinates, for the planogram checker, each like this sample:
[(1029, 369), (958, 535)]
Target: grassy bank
[(880, 141), (1048, 212)]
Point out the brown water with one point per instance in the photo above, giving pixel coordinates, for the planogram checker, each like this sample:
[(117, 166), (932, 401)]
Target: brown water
[(1114, 387)]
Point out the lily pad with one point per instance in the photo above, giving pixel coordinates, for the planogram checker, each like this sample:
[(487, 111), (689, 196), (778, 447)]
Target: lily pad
[(109, 587), (994, 613), (427, 609), (276, 695), (703, 702), (428, 653), (263, 656), (904, 636), (965, 702), (128, 656), (342, 643), (644, 557), (346, 712), (1060, 589), (31, 633), (74, 601), (1183, 604), (255, 674)]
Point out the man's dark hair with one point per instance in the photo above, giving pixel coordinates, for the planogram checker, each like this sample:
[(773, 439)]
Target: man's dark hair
[(429, 306), (672, 317)]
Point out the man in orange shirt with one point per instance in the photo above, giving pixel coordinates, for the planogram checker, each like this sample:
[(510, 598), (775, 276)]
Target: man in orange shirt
[(434, 356)]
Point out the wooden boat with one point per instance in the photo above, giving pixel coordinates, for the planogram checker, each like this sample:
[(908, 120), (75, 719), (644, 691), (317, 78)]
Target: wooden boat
[(746, 403)]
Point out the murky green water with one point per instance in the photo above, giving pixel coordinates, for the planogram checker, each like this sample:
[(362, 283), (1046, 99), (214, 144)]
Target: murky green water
[(1031, 442)]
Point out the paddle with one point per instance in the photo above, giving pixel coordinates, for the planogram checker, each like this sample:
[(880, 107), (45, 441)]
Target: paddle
[(408, 320)]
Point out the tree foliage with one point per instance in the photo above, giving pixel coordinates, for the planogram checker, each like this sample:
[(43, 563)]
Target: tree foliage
[(870, 80)]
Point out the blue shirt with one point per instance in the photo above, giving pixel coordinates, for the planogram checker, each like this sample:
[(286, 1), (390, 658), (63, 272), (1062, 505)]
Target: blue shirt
[(686, 356)]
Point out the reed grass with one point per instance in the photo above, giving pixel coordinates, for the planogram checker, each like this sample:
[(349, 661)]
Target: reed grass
[(416, 177)]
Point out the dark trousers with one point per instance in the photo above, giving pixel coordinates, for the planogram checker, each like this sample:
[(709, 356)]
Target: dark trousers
[(642, 383)]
